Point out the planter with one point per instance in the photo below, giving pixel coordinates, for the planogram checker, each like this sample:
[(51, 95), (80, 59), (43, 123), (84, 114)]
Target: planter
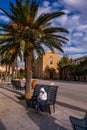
[(30, 103)]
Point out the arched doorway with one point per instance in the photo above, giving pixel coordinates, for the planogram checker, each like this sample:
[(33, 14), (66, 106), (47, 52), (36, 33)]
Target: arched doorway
[(51, 74)]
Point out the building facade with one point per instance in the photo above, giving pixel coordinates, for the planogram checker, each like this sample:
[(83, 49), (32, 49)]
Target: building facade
[(76, 72), (46, 66), (78, 60)]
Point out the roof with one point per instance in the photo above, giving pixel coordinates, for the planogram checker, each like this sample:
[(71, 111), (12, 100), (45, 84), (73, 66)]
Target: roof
[(80, 58)]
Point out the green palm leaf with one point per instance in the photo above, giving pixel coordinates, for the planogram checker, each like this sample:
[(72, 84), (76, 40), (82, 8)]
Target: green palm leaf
[(55, 29), (43, 18)]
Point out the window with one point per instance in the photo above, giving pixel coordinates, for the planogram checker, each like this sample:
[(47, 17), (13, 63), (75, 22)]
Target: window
[(51, 60)]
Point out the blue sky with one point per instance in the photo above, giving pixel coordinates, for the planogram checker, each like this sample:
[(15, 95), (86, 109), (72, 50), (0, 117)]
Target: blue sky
[(75, 21)]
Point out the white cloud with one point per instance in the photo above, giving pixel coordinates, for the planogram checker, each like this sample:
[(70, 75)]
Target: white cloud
[(57, 3), (63, 20), (78, 6), (76, 55), (4, 18), (75, 17), (85, 39), (1, 11), (82, 27), (66, 11), (77, 34), (46, 4), (71, 51), (45, 8), (74, 2)]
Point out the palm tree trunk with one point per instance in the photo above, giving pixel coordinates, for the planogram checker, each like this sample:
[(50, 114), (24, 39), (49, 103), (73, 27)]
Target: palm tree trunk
[(13, 67), (28, 73), (8, 73)]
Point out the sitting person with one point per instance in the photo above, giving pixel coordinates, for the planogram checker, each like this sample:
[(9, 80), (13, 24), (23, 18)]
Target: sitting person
[(41, 98)]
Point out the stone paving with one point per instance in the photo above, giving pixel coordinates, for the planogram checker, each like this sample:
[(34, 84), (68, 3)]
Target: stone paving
[(15, 116)]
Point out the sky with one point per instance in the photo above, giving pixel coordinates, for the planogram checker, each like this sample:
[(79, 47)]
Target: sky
[(75, 21)]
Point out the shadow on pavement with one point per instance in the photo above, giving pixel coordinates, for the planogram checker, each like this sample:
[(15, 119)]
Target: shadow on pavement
[(44, 121), (71, 106), (10, 97), (2, 126), (13, 91)]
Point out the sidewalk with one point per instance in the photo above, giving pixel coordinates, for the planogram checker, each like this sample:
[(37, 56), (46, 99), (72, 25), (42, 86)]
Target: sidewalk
[(15, 116)]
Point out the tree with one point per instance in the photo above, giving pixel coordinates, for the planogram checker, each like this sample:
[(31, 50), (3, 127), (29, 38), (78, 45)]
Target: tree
[(81, 69), (65, 61), (9, 58), (29, 32)]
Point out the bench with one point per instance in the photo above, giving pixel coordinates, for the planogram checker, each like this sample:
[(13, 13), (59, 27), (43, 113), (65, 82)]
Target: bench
[(51, 98), (79, 124), (17, 84)]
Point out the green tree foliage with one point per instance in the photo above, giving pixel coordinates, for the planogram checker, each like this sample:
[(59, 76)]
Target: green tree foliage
[(65, 61), (81, 69), (21, 73)]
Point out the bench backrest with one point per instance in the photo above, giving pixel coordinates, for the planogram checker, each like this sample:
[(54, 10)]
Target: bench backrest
[(51, 92), (79, 123)]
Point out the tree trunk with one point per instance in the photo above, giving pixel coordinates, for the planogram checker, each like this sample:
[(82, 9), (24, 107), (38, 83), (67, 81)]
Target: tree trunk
[(28, 73), (13, 67), (9, 73)]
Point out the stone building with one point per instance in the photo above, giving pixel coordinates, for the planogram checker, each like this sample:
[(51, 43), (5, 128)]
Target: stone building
[(78, 60), (46, 66)]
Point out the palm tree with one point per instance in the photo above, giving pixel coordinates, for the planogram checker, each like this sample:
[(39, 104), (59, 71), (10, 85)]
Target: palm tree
[(9, 58), (29, 33)]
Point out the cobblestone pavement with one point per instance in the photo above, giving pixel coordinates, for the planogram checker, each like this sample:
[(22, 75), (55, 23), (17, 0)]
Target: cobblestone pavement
[(15, 116)]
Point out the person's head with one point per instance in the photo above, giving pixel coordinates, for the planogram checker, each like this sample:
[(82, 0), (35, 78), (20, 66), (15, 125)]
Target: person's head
[(42, 90), (33, 84)]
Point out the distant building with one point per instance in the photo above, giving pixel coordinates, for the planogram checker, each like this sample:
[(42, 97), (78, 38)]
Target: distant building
[(2, 68), (77, 72), (46, 67), (78, 60)]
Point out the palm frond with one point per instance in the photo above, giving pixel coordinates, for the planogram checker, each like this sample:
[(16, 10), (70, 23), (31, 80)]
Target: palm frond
[(43, 18), (52, 44), (34, 8), (40, 51), (60, 37), (17, 12), (55, 39), (55, 30)]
